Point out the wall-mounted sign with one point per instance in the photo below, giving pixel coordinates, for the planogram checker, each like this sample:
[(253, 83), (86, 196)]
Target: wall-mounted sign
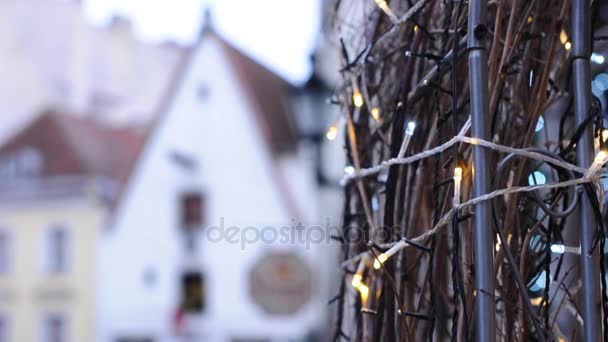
[(280, 283)]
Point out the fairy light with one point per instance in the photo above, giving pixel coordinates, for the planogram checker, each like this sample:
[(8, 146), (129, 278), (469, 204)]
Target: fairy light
[(558, 248), (387, 10), (383, 257), (600, 159), (358, 277), (376, 114), (530, 19), (332, 132), (409, 132), (364, 292), (357, 98), (457, 184), (415, 28), (568, 46), (605, 135), (349, 170)]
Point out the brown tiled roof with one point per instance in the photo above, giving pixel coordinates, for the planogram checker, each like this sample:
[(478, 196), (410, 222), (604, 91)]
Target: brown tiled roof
[(77, 146), (269, 94)]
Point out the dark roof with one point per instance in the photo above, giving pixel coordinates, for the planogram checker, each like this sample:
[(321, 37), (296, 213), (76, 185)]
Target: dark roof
[(269, 94), (77, 146)]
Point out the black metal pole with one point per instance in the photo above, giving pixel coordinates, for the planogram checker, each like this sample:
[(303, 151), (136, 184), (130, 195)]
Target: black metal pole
[(581, 50), (484, 242)]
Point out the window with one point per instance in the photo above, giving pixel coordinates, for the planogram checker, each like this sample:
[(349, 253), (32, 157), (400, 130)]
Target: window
[(54, 329), (193, 292), (192, 210), (57, 248), (5, 252)]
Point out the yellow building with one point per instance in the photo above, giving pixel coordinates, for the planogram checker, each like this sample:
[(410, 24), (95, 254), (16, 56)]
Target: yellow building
[(59, 180)]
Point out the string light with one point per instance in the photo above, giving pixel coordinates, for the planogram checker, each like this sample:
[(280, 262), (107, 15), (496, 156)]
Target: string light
[(357, 96), (382, 257), (364, 292), (332, 132), (605, 135), (387, 10), (600, 159), (558, 248), (563, 38), (376, 114), (409, 132), (457, 183), (349, 170), (358, 277)]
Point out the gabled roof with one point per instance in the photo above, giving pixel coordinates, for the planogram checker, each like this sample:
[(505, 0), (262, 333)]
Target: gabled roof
[(269, 94), (77, 146)]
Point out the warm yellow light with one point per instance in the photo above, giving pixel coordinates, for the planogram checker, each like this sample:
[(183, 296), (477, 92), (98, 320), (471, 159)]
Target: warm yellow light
[(387, 10), (364, 291), (568, 46), (474, 141), (332, 132), (536, 301), (358, 98), (530, 19), (563, 37), (357, 280), (376, 113), (415, 28), (380, 260), (605, 135), (458, 173)]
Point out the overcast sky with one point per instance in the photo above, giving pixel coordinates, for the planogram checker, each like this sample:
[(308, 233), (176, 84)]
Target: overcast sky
[(279, 33)]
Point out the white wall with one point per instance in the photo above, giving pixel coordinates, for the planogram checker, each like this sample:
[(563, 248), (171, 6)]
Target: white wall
[(235, 173)]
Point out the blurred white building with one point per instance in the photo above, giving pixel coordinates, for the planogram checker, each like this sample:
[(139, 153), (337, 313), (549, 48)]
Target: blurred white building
[(206, 244), (53, 58)]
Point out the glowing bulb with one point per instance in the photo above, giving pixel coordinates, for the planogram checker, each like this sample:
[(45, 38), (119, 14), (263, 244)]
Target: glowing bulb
[(387, 10), (600, 159), (349, 170), (605, 135), (415, 28), (457, 184), (530, 19), (364, 291), (540, 124), (358, 277), (332, 132), (376, 114), (568, 46), (537, 178), (558, 249), (536, 301), (358, 99), (409, 132), (357, 280), (380, 260), (597, 58), (563, 37), (411, 126), (474, 141)]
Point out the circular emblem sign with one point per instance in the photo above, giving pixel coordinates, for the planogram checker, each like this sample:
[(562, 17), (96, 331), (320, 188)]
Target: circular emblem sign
[(280, 283)]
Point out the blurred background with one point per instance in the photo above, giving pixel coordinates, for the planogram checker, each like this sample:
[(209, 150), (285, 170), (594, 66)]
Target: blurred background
[(168, 171)]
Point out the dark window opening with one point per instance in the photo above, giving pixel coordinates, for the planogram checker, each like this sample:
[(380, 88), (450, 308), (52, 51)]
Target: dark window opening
[(193, 292), (57, 251), (192, 210)]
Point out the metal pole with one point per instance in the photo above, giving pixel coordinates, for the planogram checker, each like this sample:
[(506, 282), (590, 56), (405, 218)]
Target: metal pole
[(581, 39), (484, 243)]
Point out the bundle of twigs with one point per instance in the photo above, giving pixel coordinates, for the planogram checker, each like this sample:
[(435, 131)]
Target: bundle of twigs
[(412, 66)]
